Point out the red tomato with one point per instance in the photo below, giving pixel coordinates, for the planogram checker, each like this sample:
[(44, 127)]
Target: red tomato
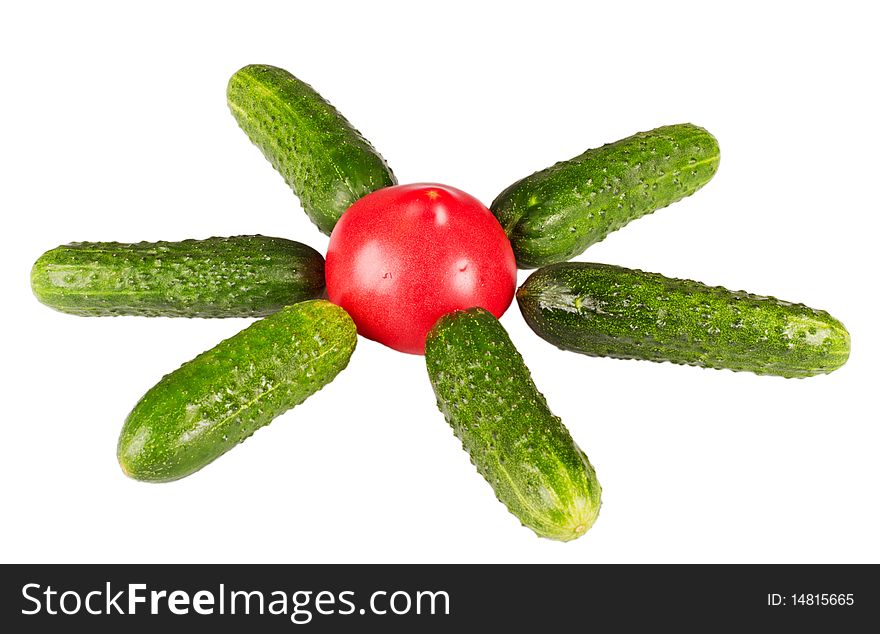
[(403, 256)]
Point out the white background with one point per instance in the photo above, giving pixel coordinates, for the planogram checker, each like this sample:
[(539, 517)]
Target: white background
[(115, 127)]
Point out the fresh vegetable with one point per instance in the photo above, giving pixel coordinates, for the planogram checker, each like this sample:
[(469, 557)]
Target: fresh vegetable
[(525, 452), (210, 404), (326, 162), (610, 311), (403, 256), (242, 276), (426, 268), (555, 214)]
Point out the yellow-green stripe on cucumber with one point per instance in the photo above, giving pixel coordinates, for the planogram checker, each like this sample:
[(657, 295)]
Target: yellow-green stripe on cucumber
[(611, 311), (487, 395), (322, 157), (212, 403), (555, 214), (241, 276)]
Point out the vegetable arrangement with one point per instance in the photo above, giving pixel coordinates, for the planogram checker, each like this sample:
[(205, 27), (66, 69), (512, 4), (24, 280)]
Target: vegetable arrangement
[(427, 269)]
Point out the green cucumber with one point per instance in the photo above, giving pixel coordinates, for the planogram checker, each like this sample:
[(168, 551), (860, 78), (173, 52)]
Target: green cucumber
[(610, 311), (555, 214), (525, 452), (326, 162), (212, 403), (242, 276)]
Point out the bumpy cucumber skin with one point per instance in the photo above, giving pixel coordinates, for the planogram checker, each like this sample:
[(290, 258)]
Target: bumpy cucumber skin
[(487, 395), (555, 214), (241, 276), (214, 402), (611, 311), (327, 162)]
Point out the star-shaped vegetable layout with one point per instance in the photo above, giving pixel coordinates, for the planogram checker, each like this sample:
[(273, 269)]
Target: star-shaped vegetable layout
[(427, 269)]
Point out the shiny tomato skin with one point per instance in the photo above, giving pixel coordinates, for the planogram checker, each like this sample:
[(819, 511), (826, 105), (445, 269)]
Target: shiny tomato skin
[(402, 257)]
